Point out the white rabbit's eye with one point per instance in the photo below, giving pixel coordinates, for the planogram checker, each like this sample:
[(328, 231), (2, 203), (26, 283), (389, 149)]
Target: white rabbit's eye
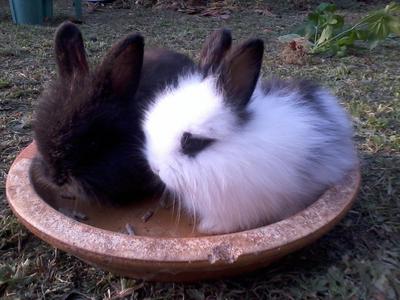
[(191, 144)]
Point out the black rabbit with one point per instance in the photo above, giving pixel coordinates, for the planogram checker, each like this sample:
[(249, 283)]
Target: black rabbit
[(87, 124)]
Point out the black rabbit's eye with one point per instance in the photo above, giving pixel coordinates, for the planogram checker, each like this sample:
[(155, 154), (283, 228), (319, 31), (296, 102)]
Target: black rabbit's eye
[(191, 144)]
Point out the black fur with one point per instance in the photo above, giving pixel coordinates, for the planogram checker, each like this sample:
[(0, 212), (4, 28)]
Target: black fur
[(239, 73), (87, 124), (214, 50), (237, 70), (70, 52)]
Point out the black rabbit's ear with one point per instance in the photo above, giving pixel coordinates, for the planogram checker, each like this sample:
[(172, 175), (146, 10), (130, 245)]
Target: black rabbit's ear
[(70, 51), (214, 49), (121, 68), (239, 73)]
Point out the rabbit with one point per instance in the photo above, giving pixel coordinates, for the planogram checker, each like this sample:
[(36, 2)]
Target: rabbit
[(87, 126), (239, 152)]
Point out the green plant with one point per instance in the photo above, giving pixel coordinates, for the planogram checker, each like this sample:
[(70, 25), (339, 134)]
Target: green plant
[(328, 32)]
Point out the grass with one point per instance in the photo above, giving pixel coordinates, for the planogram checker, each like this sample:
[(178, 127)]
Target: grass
[(359, 259)]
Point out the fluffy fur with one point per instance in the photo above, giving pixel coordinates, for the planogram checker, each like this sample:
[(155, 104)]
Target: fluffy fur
[(270, 157), (87, 124)]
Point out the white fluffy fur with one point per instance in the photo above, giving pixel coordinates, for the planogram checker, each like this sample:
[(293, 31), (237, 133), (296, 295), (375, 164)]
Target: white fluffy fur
[(257, 172)]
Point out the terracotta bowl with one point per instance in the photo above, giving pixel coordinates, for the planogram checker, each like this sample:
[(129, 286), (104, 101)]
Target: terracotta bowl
[(164, 248)]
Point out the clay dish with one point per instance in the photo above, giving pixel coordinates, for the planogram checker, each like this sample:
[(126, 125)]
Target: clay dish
[(162, 248)]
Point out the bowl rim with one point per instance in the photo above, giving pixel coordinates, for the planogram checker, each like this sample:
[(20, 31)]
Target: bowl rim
[(82, 239)]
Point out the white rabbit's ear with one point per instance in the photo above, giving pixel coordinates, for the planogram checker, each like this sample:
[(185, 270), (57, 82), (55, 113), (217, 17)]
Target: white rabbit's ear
[(70, 51), (120, 71), (239, 73), (214, 49)]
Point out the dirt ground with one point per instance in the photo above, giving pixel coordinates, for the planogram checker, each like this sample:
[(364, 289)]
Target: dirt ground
[(359, 259)]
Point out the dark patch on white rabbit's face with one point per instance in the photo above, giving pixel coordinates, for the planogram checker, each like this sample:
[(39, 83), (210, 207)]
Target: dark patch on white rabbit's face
[(191, 144), (185, 127)]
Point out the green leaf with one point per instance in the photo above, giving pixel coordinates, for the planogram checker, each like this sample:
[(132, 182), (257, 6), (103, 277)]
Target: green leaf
[(335, 20), (392, 8), (379, 26), (325, 34), (361, 34), (394, 25), (339, 21), (332, 21), (314, 18), (309, 32), (317, 19), (326, 7), (347, 40), (329, 34), (383, 22)]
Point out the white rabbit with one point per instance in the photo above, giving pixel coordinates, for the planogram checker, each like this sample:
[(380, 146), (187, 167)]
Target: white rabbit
[(238, 152)]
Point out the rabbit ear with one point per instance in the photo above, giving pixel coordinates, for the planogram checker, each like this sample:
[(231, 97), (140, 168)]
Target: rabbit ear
[(239, 73), (214, 49), (121, 68), (70, 51)]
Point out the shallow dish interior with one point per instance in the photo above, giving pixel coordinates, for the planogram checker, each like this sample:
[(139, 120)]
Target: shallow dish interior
[(163, 248), (144, 218)]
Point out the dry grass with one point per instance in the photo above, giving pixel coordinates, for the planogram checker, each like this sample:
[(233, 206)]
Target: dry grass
[(359, 259)]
